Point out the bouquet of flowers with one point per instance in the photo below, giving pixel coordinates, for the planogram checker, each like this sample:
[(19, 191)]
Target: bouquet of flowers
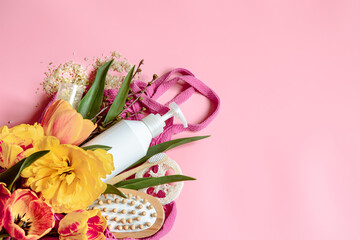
[(52, 182)]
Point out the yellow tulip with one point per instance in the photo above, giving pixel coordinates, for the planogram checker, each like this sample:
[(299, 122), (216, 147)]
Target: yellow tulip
[(61, 120), (14, 142), (68, 177)]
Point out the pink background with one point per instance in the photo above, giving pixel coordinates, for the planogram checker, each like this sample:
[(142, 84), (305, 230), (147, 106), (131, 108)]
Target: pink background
[(283, 159)]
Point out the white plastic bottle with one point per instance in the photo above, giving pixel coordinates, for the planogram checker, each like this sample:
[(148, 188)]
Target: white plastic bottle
[(130, 139)]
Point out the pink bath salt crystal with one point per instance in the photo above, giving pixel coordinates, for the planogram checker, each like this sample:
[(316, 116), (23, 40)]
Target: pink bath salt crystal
[(170, 172)]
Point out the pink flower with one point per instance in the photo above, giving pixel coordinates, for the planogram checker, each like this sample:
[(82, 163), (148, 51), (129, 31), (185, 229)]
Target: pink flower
[(4, 197), (26, 216), (83, 225)]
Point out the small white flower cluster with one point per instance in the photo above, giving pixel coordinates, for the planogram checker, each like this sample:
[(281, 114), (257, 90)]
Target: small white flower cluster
[(70, 72), (119, 66)]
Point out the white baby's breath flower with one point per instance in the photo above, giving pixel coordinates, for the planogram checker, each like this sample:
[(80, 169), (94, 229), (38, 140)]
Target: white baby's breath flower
[(70, 72), (118, 69)]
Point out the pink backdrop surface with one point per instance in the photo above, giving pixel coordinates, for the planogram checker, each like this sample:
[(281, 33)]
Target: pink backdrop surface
[(283, 161)]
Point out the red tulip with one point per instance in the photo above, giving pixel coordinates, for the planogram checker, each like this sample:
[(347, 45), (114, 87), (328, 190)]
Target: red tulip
[(26, 216), (4, 197)]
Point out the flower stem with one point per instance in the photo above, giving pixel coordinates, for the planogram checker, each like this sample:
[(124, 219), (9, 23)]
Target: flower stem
[(101, 111), (137, 69), (138, 112), (141, 92)]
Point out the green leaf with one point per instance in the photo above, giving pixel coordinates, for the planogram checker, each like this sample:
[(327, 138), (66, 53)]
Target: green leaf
[(120, 99), (12, 174), (162, 147), (94, 147), (130, 181), (110, 189), (152, 181), (91, 103)]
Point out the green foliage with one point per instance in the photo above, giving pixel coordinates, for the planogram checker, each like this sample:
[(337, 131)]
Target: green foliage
[(91, 103), (12, 174), (94, 147), (162, 147), (140, 183), (120, 99), (110, 189)]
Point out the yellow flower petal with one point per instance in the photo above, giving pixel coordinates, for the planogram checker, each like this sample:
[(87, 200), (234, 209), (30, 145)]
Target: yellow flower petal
[(15, 141), (9, 154), (68, 177), (82, 225)]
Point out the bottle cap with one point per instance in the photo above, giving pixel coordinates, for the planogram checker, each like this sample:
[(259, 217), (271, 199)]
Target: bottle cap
[(156, 122)]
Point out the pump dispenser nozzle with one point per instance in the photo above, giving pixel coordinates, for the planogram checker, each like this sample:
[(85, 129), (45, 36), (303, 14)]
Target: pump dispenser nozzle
[(156, 123), (175, 111)]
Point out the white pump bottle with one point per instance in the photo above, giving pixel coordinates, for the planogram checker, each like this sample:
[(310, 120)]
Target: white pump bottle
[(130, 139)]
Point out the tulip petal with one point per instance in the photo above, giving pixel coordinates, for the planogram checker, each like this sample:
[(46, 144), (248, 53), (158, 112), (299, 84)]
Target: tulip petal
[(4, 197), (74, 226), (103, 161), (64, 122), (15, 141), (83, 225), (9, 154), (68, 177), (96, 226), (38, 216), (42, 217), (87, 128)]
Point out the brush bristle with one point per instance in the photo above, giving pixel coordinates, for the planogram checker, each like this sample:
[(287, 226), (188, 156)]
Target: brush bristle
[(157, 158)]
